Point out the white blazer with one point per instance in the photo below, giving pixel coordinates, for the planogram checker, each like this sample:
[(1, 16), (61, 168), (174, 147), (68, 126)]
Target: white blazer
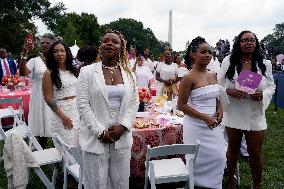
[(245, 114), (92, 102)]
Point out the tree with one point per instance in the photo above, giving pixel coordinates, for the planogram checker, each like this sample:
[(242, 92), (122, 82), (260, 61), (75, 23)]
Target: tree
[(275, 40), (83, 28), (137, 36), (16, 20)]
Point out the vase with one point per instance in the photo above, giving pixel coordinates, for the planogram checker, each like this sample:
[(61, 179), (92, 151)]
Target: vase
[(11, 87), (141, 107)]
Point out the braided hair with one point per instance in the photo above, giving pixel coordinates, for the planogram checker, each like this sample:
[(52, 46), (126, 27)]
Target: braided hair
[(192, 47), (235, 63), (123, 54), (52, 64)]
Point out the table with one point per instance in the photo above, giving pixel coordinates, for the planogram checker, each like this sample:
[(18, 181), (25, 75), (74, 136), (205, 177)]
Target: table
[(16, 94), (171, 134)]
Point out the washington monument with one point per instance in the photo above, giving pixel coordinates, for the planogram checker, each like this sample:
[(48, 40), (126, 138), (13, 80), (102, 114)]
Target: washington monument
[(170, 34)]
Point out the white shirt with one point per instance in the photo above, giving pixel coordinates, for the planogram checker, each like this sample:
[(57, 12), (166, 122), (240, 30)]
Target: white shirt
[(132, 63), (149, 63), (143, 76), (214, 66), (3, 66)]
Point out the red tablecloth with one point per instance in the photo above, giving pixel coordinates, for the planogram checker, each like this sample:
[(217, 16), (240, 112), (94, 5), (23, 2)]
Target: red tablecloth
[(153, 137), (16, 94)]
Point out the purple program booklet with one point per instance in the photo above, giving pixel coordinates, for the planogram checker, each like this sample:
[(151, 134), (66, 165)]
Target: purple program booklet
[(248, 81)]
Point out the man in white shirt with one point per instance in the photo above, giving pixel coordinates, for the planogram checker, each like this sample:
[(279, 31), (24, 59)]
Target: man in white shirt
[(132, 57), (147, 61)]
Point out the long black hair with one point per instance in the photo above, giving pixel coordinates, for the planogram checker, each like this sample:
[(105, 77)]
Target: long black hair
[(52, 64), (192, 47), (257, 57)]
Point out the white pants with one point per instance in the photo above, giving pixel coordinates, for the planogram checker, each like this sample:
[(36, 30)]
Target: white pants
[(110, 170)]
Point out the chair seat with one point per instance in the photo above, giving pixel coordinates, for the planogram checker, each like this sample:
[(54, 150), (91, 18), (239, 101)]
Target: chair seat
[(47, 156), (169, 170), (74, 169), (20, 129)]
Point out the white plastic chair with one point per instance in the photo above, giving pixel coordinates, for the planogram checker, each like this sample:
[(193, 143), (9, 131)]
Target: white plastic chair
[(75, 168), (43, 156), (6, 114), (170, 170)]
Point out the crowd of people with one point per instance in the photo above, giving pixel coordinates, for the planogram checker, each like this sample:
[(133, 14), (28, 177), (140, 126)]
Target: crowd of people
[(91, 102)]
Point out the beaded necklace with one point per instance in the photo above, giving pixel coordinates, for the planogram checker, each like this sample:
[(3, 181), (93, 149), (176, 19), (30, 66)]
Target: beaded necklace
[(111, 69)]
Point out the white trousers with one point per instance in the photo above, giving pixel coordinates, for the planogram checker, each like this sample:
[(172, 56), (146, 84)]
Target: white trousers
[(110, 170)]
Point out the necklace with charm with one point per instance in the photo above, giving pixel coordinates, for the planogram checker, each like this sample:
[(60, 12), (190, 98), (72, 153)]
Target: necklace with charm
[(111, 70)]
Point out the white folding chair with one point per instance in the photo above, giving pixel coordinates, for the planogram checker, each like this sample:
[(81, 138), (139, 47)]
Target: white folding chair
[(170, 170), (6, 114), (43, 156), (75, 168)]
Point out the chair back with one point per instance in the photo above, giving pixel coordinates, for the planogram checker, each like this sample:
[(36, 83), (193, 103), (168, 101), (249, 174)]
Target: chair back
[(12, 101), (174, 149), (67, 149)]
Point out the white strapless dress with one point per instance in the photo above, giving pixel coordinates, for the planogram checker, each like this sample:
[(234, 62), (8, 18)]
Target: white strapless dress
[(211, 158)]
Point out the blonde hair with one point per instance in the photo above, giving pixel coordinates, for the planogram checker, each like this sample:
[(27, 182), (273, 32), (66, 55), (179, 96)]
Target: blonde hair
[(123, 54)]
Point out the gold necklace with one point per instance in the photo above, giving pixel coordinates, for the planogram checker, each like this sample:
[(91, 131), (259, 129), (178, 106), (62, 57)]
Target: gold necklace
[(111, 69)]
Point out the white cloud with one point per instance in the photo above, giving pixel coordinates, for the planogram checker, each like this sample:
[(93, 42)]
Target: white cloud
[(213, 20)]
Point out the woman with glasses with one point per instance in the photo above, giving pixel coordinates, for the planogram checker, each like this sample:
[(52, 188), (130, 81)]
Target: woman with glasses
[(245, 113), (39, 112)]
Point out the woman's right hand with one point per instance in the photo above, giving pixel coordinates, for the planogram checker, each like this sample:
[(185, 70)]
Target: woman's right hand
[(67, 122), (238, 94), (27, 47), (211, 122), (107, 138)]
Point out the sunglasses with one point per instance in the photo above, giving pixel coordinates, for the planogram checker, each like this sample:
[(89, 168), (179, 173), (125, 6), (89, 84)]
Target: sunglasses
[(248, 40)]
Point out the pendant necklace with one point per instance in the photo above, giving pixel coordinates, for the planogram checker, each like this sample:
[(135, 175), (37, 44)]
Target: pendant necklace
[(246, 62), (111, 69)]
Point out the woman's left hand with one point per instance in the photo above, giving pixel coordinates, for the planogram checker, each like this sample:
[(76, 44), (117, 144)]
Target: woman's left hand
[(219, 115), (257, 96), (116, 132)]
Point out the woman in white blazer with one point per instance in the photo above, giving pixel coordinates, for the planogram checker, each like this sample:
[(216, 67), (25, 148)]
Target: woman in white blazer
[(244, 113), (107, 101)]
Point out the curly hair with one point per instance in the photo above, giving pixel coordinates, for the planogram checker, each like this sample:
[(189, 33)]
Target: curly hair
[(52, 64), (192, 47), (235, 59), (123, 54)]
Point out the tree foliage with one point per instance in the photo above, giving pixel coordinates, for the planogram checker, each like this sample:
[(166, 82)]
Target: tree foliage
[(16, 20), (137, 36), (275, 40), (83, 28)]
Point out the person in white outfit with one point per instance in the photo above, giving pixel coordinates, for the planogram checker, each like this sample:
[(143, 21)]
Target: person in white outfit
[(39, 112), (107, 99), (58, 86), (198, 99), (143, 73), (244, 114), (166, 73)]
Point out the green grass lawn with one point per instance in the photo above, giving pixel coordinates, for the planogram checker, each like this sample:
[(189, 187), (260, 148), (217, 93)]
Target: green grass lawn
[(273, 151)]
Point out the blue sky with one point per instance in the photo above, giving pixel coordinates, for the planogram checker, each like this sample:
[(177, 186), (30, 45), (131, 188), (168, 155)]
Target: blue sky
[(213, 20)]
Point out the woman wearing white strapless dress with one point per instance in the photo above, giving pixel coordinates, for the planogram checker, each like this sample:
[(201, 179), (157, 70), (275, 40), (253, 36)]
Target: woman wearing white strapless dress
[(198, 99), (59, 82)]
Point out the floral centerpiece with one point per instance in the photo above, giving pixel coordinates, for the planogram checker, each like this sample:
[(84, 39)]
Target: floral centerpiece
[(144, 97), (11, 81)]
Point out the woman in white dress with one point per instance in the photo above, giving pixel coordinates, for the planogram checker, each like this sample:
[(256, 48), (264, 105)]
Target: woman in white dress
[(39, 112), (198, 99), (107, 102), (166, 73), (244, 114), (142, 72), (59, 82)]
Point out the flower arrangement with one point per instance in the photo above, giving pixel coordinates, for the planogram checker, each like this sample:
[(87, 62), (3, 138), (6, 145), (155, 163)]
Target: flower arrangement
[(144, 95), (11, 80)]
